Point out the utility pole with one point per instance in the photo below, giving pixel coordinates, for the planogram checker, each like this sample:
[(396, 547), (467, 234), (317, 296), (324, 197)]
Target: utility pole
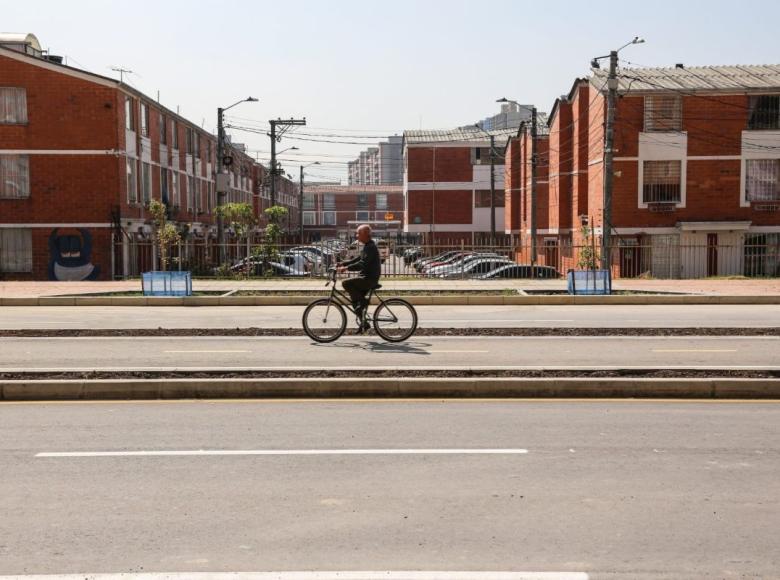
[(300, 208), (220, 187), (492, 190), (283, 125), (533, 187), (609, 139)]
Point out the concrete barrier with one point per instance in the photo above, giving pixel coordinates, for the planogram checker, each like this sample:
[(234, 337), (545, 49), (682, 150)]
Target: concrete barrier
[(692, 388)]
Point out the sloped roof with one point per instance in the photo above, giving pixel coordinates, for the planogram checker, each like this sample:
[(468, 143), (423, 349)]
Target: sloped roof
[(726, 78), (458, 135)]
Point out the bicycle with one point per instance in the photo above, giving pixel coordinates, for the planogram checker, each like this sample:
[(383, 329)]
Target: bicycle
[(325, 320)]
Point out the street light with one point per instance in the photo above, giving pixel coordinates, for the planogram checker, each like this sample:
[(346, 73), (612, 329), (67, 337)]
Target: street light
[(492, 183), (300, 201), (220, 169), (609, 138)]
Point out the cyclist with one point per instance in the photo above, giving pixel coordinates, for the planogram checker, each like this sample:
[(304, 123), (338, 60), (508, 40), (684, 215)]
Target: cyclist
[(369, 265)]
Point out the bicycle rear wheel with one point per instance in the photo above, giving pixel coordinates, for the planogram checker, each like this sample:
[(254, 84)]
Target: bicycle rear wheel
[(324, 320), (395, 320)]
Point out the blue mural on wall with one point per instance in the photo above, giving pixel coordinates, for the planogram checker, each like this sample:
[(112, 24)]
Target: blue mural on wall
[(70, 255)]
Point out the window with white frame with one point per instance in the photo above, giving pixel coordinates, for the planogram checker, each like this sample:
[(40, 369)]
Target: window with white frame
[(129, 114), (13, 105), (762, 180), (14, 176), (308, 200), (15, 250), (329, 218), (165, 196), (174, 134), (175, 189), (132, 181), (362, 216), (144, 119), (329, 201), (661, 182), (381, 201), (146, 182), (163, 121), (190, 192), (663, 113), (309, 218), (764, 112)]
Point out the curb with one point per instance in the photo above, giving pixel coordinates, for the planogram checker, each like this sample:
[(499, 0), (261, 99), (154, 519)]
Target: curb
[(449, 300), (481, 387)]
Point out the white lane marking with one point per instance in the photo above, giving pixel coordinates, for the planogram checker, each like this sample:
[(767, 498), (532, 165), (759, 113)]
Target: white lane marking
[(346, 575), (206, 452), (411, 340), (204, 351), (456, 351), (694, 350)]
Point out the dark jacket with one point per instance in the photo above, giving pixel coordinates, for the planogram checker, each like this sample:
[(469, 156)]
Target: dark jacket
[(367, 263)]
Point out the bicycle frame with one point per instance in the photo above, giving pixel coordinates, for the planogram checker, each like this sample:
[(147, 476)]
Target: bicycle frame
[(342, 298)]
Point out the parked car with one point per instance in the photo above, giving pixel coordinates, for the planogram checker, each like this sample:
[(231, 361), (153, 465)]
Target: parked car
[(257, 267), (411, 255), (473, 268), (327, 256), (522, 271), (422, 262), (298, 260), (457, 264)]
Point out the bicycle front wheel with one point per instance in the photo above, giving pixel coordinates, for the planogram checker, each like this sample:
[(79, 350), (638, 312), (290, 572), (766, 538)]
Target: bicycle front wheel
[(395, 320), (324, 320)]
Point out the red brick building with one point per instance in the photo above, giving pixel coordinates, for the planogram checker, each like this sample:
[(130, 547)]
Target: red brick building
[(696, 171), (333, 211), (447, 183), (81, 156)]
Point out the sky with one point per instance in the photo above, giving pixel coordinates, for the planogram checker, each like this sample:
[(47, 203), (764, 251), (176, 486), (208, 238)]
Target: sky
[(362, 70)]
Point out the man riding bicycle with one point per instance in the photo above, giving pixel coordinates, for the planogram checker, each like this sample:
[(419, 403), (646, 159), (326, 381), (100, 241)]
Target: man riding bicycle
[(369, 265)]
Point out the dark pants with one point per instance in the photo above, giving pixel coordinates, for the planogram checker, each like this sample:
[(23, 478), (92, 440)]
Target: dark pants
[(358, 290)]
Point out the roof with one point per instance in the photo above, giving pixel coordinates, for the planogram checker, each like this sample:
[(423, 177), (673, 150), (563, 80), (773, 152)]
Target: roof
[(735, 78), (458, 135), (354, 189)]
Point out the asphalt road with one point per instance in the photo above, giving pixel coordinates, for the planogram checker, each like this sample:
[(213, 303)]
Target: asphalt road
[(597, 316), (629, 489), (373, 352)]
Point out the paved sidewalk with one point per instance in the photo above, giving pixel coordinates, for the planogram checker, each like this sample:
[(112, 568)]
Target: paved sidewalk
[(721, 287)]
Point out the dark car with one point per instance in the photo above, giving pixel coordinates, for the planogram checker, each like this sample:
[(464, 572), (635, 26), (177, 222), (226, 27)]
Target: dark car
[(522, 271)]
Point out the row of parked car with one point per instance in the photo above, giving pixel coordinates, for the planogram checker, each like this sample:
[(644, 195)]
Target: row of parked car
[(469, 264)]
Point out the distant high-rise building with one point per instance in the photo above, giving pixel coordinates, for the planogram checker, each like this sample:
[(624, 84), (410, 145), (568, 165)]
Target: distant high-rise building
[(379, 165)]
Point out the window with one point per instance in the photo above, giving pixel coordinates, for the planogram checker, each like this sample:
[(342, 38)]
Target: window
[(15, 250), (661, 182), (146, 182), (164, 193), (362, 216), (13, 105), (129, 115), (196, 144), (14, 176), (144, 119), (190, 192), (480, 156), (663, 113), (381, 201), (308, 200), (762, 180), (482, 198), (309, 218), (163, 129), (764, 112), (174, 134), (329, 201), (175, 189), (189, 141), (132, 181), (362, 201), (329, 218)]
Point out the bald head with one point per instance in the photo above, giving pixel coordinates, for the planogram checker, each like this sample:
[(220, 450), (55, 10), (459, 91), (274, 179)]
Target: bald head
[(363, 233)]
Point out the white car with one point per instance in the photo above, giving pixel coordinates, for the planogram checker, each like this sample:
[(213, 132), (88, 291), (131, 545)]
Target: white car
[(477, 267)]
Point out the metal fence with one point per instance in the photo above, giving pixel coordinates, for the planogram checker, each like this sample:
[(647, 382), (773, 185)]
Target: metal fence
[(455, 259)]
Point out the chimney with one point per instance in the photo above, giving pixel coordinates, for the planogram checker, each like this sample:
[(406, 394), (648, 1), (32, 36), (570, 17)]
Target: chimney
[(679, 65)]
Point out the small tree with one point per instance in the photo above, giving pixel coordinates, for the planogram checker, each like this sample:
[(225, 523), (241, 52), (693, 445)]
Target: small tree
[(241, 217), (269, 250), (587, 255), (165, 233)]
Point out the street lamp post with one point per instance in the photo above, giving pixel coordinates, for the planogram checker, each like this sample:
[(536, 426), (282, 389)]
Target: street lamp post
[(492, 184), (220, 168), (300, 201), (609, 139)]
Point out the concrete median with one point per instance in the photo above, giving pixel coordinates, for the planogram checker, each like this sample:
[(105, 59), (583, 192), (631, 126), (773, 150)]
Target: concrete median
[(470, 387)]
